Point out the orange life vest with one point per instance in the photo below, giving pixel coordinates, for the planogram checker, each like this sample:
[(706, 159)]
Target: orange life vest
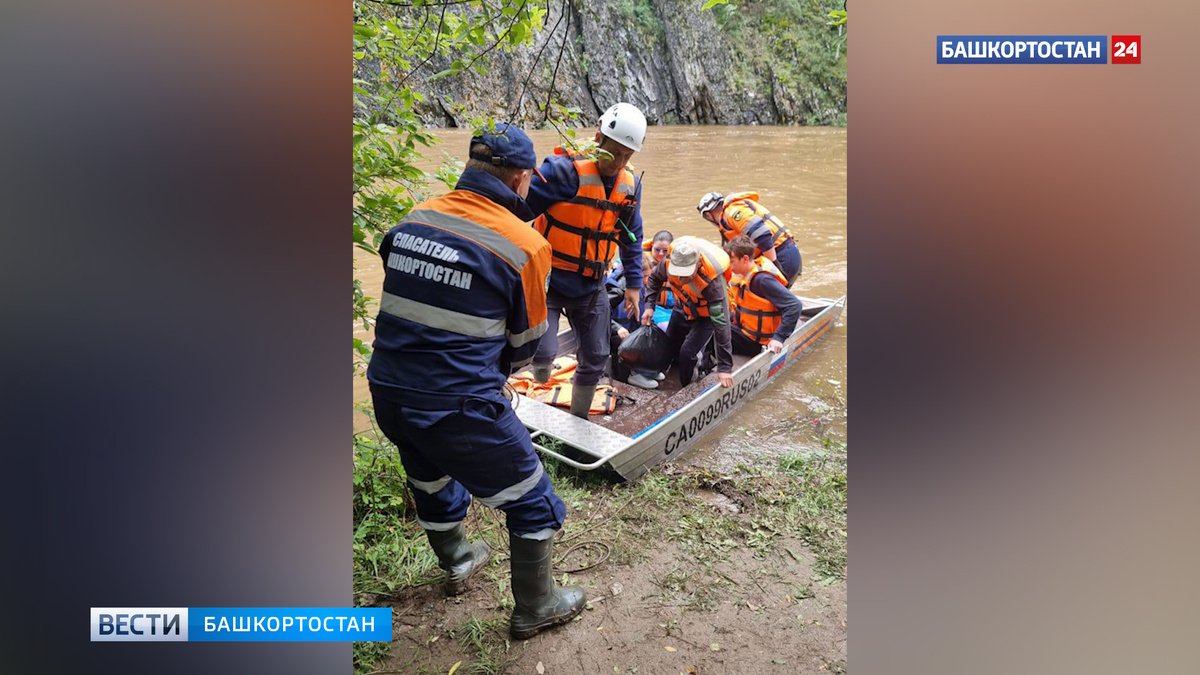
[(754, 316), (583, 230), (647, 254), (664, 296), (604, 401), (714, 263), (557, 390), (740, 208)]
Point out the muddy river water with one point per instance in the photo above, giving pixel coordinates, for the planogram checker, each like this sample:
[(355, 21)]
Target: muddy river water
[(800, 174)]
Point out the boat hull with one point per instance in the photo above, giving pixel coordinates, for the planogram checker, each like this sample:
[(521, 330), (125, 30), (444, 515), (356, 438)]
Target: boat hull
[(673, 435)]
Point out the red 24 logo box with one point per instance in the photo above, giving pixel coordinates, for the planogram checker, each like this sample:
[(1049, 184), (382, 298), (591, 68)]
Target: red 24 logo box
[(1127, 49)]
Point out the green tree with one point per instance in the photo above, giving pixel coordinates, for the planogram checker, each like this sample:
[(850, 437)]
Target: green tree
[(394, 45)]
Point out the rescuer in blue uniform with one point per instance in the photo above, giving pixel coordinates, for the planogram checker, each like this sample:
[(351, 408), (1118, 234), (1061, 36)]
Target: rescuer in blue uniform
[(463, 306), (588, 210)]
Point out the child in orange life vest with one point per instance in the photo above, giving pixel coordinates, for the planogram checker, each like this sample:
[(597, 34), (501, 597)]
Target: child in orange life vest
[(764, 312)]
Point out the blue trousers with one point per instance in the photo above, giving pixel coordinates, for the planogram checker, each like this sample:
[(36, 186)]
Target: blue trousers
[(481, 449), (787, 260), (589, 318)]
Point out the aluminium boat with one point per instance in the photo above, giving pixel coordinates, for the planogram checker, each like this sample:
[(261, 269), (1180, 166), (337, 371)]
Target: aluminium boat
[(652, 426)]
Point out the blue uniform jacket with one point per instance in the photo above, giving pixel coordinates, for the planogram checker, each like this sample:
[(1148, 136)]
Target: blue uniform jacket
[(562, 184), (463, 301)]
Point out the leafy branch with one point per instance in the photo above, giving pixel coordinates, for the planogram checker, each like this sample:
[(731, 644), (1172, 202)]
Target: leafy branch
[(393, 41)]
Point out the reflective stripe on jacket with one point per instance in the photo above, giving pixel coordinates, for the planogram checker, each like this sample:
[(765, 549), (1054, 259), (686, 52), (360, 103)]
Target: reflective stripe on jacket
[(742, 214), (464, 294)]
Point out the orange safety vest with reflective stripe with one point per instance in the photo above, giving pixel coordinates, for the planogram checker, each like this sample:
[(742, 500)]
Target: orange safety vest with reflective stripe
[(583, 230), (754, 316), (714, 263), (740, 209)]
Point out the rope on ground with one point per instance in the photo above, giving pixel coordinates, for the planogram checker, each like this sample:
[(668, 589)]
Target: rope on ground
[(591, 543), (580, 546), (593, 526)]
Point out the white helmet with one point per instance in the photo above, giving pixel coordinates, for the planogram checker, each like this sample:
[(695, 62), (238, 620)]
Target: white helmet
[(710, 201), (625, 124)]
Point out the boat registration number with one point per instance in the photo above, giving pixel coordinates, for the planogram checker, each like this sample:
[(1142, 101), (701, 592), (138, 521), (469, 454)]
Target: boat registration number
[(711, 413)]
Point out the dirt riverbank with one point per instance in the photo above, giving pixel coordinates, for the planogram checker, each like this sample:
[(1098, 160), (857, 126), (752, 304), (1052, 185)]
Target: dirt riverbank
[(694, 572)]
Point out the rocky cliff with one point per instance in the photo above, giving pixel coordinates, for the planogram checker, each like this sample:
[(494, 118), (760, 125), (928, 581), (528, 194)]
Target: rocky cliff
[(772, 62)]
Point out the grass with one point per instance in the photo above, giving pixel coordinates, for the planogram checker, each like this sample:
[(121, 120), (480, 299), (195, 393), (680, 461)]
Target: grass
[(488, 641), (367, 655), (800, 495), (817, 511)]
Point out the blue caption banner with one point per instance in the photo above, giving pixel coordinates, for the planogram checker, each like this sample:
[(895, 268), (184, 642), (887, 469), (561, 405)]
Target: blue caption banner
[(289, 624), (1022, 49)]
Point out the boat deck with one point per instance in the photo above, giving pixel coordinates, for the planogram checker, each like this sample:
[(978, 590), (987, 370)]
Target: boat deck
[(651, 405), (654, 424)]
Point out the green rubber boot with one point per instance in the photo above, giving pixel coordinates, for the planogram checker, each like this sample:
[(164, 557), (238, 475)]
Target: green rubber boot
[(461, 559), (581, 400), (539, 604)]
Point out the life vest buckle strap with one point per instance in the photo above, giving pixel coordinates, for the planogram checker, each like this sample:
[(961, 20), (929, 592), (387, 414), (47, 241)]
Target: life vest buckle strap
[(601, 204), (760, 312), (596, 235), (585, 232), (754, 335), (593, 268)]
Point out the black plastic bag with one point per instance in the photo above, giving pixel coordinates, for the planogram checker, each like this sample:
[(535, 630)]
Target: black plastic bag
[(647, 348)]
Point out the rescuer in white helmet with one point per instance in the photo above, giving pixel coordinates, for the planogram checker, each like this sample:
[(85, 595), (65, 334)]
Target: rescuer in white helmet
[(588, 209)]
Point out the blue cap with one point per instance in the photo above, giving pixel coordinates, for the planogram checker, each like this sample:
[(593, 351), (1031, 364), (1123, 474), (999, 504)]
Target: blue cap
[(510, 147)]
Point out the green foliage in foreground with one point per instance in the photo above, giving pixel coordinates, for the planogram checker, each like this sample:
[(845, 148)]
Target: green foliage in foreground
[(390, 552), (392, 42)]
